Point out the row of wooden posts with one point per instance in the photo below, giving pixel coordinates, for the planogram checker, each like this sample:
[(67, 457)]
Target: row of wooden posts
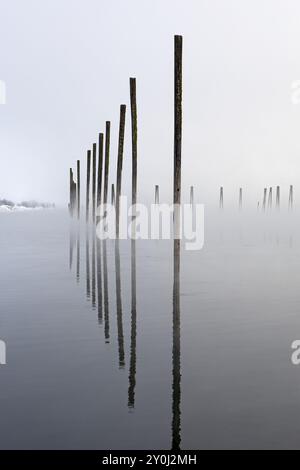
[(95, 178), (267, 198)]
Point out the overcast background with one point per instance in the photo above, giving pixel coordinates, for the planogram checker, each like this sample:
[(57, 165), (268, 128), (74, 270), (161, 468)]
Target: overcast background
[(67, 63)]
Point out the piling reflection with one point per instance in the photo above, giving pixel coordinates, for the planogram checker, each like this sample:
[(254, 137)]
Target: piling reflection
[(71, 247), (132, 366), (176, 366), (78, 256), (119, 306), (105, 291), (87, 265), (99, 283), (94, 270), (98, 263)]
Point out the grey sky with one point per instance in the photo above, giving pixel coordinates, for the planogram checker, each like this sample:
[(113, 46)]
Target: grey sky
[(67, 65)]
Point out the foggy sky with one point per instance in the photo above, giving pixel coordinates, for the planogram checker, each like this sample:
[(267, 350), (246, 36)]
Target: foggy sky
[(67, 63)]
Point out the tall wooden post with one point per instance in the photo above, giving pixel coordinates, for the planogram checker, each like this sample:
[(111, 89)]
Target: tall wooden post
[(176, 202), (113, 198), (94, 180), (100, 169), (106, 169), (291, 198), (78, 189), (278, 197), (71, 195), (241, 198), (270, 199), (133, 139), (177, 130), (156, 198), (265, 199), (120, 165), (88, 178), (221, 204), (192, 195)]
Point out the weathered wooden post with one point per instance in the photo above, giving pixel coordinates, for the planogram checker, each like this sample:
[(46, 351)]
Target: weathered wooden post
[(241, 198), (221, 204), (291, 197), (100, 169), (120, 165), (106, 165), (176, 201), (78, 189), (278, 197), (113, 198), (177, 131), (88, 178), (156, 194), (94, 180), (133, 139), (71, 195), (72, 205), (192, 195), (270, 199), (265, 199)]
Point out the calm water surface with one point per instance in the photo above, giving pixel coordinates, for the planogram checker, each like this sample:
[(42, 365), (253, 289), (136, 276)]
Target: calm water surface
[(111, 347)]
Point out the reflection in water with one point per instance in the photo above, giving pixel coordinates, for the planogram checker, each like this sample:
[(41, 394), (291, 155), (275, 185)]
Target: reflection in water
[(87, 265), (100, 299), (99, 283), (132, 366), (105, 288), (176, 386), (78, 256), (94, 270), (71, 248), (119, 307)]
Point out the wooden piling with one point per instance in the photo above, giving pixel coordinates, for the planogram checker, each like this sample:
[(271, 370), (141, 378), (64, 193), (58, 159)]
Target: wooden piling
[(106, 168), (74, 197), (240, 198), (113, 198), (278, 197), (221, 203), (88, 178), (133, 139), (94, 180), (270, 199), (291, 197), (78, 189), (265, 199), (120, 165), (192, 195), (100, 169), (156, 194), (177, 130), (71, 195)]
